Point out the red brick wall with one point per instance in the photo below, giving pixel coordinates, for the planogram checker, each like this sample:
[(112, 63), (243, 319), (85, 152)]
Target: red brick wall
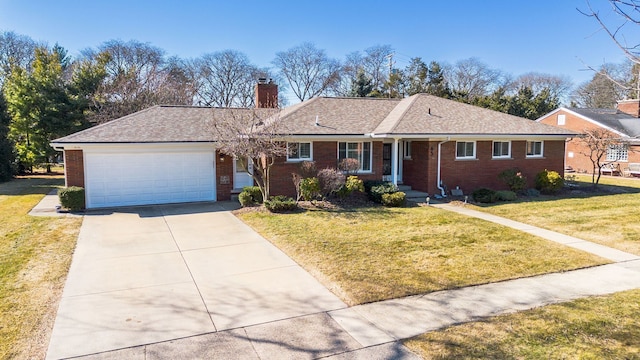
[(575, 148), (483, 171), (224, 176), (74, 168), (415, 172), (325, 155), (631, 107)]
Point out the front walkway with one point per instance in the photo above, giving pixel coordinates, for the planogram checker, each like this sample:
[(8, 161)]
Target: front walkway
[(333, 331)]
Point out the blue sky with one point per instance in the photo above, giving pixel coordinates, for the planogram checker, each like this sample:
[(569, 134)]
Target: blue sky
[(548, 36)]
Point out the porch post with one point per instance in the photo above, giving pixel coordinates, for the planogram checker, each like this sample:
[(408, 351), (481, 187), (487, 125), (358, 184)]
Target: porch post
[(394, 161)]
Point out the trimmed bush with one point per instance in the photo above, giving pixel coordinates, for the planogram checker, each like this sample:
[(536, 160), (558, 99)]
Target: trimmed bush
[(349, 165), (371, 183), (255, 193), (506, 195), (514, 179), (72, 198), (245, 199), (307, 169), (331, 180), (280, 203), (549, 182), (352, 184), (396, 199), (377, 191), (484, 195), (309, 188), (532, 192)]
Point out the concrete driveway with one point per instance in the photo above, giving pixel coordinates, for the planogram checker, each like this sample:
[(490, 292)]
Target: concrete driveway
[(150, 274)]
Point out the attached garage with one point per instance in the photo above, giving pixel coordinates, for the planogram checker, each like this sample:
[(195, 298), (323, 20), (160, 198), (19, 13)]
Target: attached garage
[(131, 176)]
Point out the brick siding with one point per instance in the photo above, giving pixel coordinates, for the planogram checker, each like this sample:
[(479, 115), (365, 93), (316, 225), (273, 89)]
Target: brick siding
[(224, 169), (74, 168)]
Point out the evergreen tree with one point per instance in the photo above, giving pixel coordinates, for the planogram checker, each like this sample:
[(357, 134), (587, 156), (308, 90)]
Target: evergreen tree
[(362, 85), (6, 148)]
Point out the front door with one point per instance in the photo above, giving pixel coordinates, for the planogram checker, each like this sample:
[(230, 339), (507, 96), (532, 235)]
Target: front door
[(241, 177), (386, 159)]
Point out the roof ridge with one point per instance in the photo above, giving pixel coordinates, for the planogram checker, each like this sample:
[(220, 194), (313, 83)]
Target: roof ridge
[(398, 112)]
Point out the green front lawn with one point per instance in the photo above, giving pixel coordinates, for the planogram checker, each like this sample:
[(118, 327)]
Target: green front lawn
[(35, 254), (595, 328), (376, 253), (609, 218)]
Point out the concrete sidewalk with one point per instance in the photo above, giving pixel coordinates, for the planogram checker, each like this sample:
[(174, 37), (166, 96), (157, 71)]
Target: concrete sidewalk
[(321, 328)]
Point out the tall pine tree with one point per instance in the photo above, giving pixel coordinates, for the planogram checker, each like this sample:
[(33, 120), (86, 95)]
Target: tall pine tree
[(6, 147)]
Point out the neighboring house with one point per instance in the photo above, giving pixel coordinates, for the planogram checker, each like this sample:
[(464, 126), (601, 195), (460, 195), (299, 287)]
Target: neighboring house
[(623, 122), (167, 154)]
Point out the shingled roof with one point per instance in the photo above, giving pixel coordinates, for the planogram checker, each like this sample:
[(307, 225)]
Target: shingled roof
[(419, 114), (615, 119)]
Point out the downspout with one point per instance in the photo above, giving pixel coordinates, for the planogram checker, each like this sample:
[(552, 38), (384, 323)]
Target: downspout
[(394, 162), (439, 164)]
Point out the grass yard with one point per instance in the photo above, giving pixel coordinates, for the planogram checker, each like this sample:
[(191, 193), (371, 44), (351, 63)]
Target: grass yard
[(595, 328), (35, 254), (610, 219), (376, 253)]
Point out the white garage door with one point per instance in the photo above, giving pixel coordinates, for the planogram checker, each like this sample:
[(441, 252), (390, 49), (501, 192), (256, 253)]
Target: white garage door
[(141, 178)]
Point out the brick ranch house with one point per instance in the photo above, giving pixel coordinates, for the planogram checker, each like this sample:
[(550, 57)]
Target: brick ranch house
[(622, 122), (167, 154)]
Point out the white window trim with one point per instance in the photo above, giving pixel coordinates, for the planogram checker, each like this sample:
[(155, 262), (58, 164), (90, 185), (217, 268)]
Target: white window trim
[(534, 155), (407, 150), (472, 157), (360, 171), (310, 158), (621, 148), (508, 156), (561, 119)]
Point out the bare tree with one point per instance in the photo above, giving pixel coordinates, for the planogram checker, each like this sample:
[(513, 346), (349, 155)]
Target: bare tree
[(308, 70), (470, 78), (598, 143), (138, 76), (15, 50), (376, 64), (226, 79), (255, 136), (557, 85), (600, 91)]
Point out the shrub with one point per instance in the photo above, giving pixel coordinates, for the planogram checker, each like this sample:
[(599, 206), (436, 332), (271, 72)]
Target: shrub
[(245, 199), (349, 165), (72, 198), (484, 195), (331, 180), (532, 192), (280, 203), (255, 193), (307, 169), (396, 199), (506, 195), (352, 184), (549, 182), (514, 179), (377, 191), (309, 188), (371, 183)]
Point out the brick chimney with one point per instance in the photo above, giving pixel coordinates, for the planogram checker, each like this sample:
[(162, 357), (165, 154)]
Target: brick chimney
[(631, 107), (266, 94)]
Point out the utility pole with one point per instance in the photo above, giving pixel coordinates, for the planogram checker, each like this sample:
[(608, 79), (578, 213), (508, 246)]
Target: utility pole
[(390, 71)]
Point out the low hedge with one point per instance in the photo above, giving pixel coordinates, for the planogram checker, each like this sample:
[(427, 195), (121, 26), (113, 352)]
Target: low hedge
[(506, 195), (376, 192), (72, 198), (250, 195), (484, 195), (396, 199), (281, 203)]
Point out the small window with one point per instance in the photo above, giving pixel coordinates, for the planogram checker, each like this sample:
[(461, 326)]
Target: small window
[(407, 149), (561, 119), (360, 151), (534, 148), (465, 150), (298, 151), (502, 149), (617, 153)]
